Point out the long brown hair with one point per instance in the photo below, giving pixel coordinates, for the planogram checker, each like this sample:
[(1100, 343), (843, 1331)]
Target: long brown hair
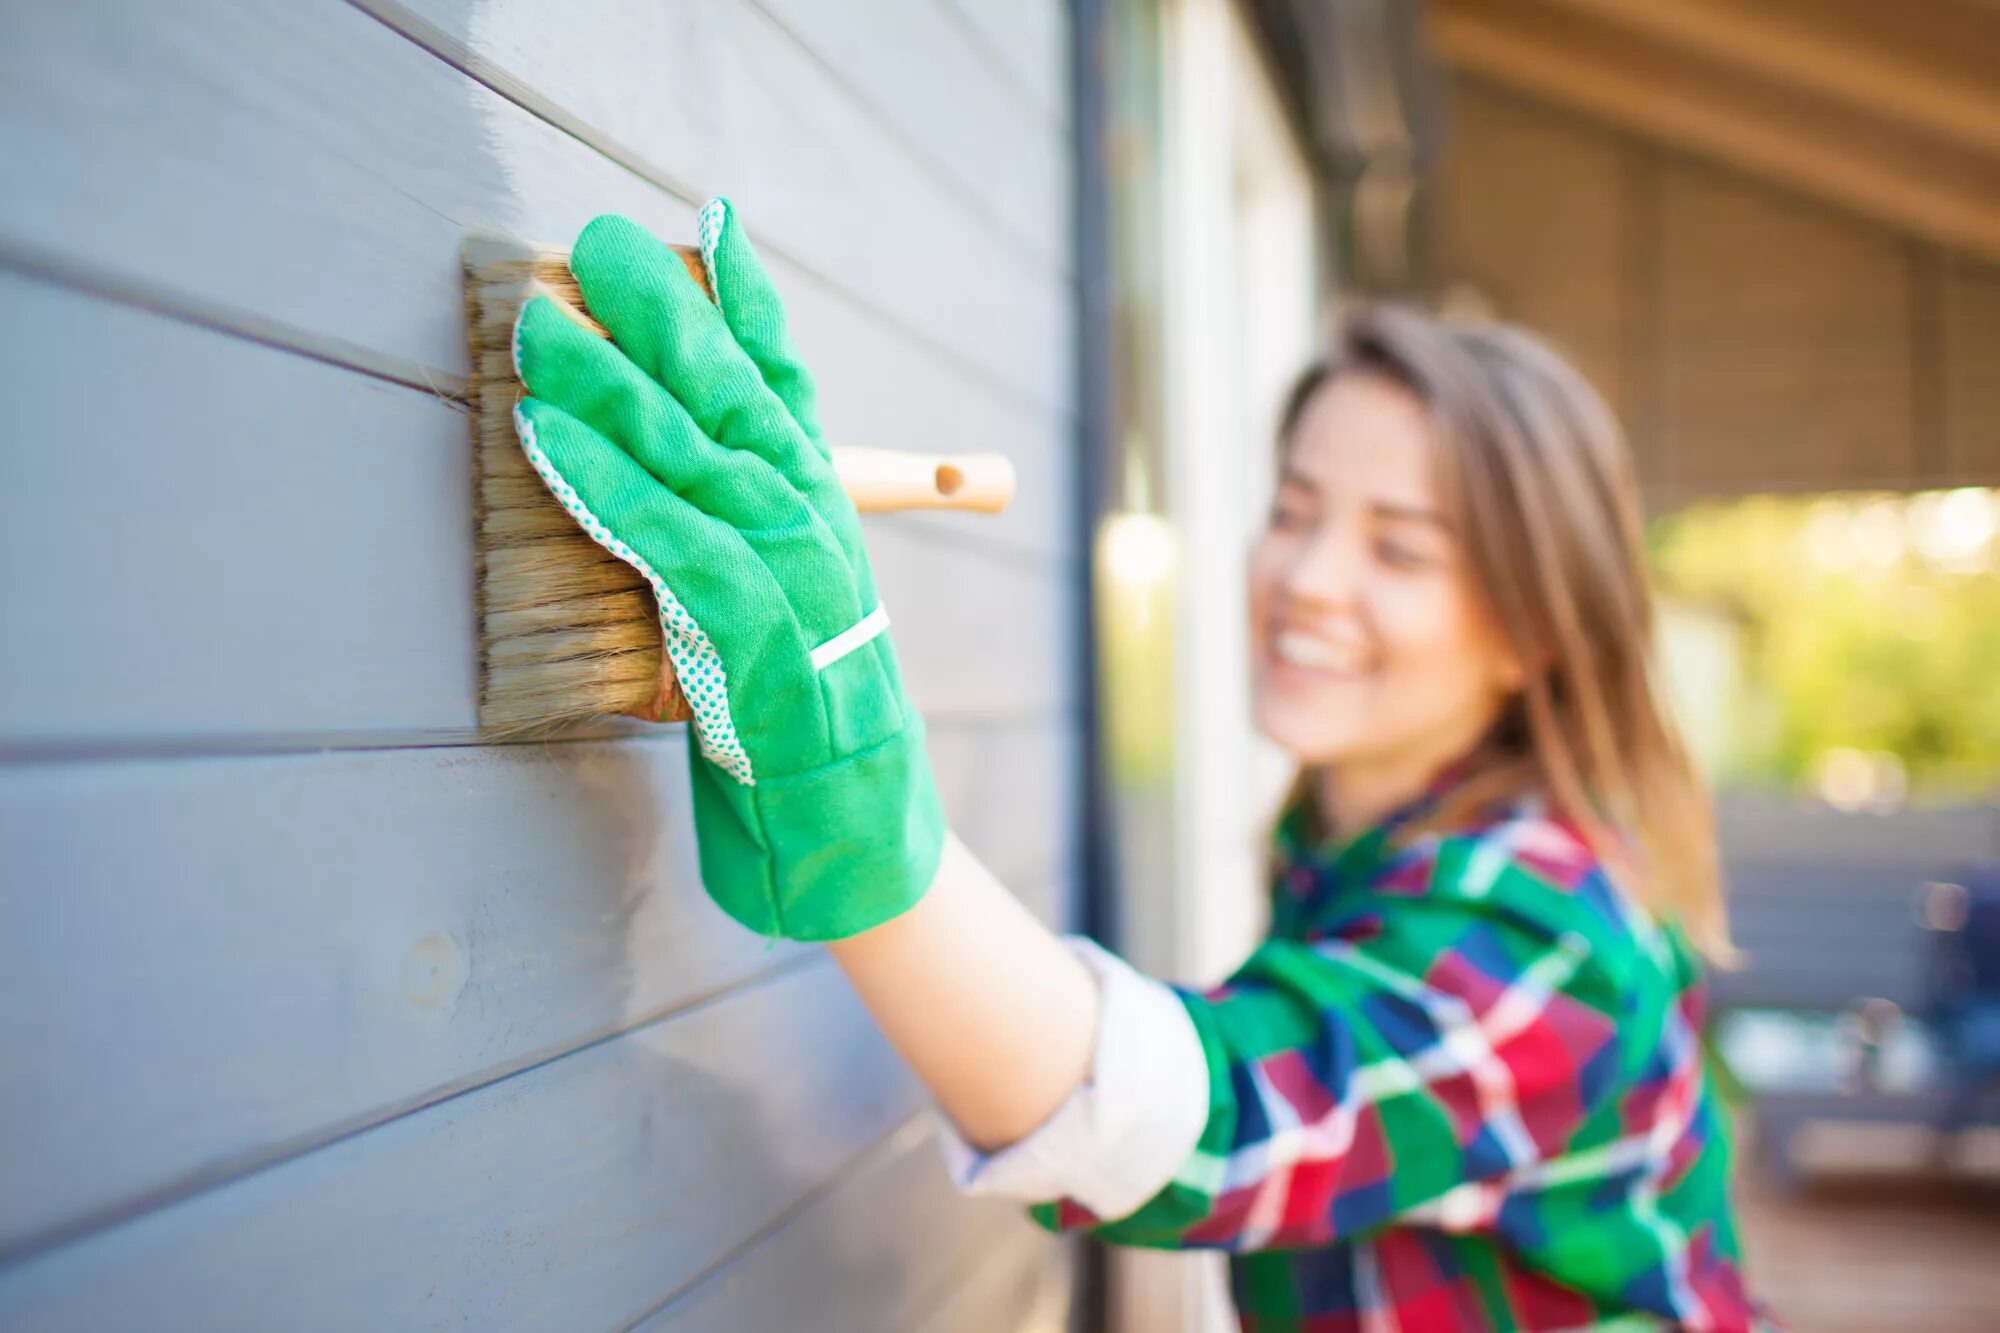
[(1534, 472)]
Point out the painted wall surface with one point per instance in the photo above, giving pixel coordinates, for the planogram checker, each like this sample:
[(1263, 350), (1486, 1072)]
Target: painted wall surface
[(315, 1012)]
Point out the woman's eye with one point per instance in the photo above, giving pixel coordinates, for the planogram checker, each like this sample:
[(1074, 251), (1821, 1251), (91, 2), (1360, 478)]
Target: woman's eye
[(1290, 518), (1402, 557)]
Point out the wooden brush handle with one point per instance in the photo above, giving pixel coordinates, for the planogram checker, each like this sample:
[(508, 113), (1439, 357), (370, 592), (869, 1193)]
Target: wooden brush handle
[(877, 480)]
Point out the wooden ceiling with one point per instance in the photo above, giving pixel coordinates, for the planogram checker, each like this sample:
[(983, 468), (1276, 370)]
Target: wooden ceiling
[(1889, 108)]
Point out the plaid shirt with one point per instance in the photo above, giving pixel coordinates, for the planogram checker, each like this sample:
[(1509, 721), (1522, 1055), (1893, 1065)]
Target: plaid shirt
[(1459, 1087)]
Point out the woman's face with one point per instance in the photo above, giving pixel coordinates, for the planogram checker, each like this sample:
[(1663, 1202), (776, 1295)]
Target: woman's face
[(1367, 638)]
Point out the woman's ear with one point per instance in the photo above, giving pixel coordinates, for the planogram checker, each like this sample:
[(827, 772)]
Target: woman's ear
[(1513, 667)]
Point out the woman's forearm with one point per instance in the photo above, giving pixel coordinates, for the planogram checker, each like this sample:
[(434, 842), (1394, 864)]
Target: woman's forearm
[(994, 1013)]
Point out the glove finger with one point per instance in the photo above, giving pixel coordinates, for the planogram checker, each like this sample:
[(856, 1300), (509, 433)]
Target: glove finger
[(567, 367), (756, 317), (719, 604), (750, 306), (592, 382), (598, 385), (638, 289)]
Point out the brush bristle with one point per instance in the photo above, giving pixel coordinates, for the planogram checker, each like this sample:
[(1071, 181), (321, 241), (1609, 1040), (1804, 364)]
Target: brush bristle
[(567, 632)]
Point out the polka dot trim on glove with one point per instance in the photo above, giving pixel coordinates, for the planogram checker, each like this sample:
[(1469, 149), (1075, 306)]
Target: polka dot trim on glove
[(708, 228), (697, 664)]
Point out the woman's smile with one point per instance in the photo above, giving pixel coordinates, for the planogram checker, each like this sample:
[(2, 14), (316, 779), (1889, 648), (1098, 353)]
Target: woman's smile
[(1312, 657)]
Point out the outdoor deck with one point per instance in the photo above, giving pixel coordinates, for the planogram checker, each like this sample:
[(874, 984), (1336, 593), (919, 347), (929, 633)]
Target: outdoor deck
[(1873, 1242)]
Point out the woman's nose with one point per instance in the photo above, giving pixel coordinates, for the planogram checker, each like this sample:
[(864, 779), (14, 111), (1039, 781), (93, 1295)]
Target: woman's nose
[(1326, 570)]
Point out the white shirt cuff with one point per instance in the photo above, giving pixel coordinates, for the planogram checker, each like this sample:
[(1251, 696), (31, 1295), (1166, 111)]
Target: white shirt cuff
[(1124, 1131)]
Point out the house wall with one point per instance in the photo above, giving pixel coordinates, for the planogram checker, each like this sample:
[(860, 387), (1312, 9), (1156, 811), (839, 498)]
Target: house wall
[(315, 1012)]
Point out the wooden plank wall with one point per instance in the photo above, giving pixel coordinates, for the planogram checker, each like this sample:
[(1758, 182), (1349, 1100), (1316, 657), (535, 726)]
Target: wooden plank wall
[(314, 1012), (1751, 339)]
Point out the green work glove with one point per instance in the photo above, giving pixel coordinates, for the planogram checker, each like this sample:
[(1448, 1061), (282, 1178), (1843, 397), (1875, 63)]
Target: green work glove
[(691, 450)]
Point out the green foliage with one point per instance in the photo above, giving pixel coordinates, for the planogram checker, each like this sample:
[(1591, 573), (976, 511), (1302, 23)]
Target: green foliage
[(1866, 622)]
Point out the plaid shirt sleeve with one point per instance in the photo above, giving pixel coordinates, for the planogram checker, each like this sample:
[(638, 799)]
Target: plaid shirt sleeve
[(1118, 1136), (1392, 1068)]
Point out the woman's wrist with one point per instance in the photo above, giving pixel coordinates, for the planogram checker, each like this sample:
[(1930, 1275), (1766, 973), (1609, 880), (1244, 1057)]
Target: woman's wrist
[(985, 1003)]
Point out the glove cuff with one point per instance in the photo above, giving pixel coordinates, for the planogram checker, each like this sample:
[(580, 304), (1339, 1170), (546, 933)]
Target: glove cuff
[(826, 853)]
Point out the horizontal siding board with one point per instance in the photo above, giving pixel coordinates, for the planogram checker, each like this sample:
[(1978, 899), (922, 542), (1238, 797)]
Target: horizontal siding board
[(306, 172), (974, 634), (576, 1194), (415, 1037), (751, 115), (880, 1252), (235, 540), (240, 541), (1030, 40), (1026, 1290), (206, 964), (876, 390), (911, 63)]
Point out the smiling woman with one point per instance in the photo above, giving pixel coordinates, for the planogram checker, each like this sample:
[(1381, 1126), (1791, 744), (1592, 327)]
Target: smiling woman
[(1459, 1083), (1458, 510), (1372, 645)]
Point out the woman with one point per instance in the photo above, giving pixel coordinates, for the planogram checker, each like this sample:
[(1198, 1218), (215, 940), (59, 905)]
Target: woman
[(1459, 1085)]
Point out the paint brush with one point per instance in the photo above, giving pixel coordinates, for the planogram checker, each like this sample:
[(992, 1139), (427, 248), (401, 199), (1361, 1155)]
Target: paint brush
[(567, 631)]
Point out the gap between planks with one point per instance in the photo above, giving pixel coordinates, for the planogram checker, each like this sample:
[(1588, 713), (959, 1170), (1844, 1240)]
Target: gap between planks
[(232, 1170), (24, 753), (448, 49)]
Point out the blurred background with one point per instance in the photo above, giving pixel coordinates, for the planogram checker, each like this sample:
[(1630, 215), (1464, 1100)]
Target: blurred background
[(1767, 232), (321, 1009)]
